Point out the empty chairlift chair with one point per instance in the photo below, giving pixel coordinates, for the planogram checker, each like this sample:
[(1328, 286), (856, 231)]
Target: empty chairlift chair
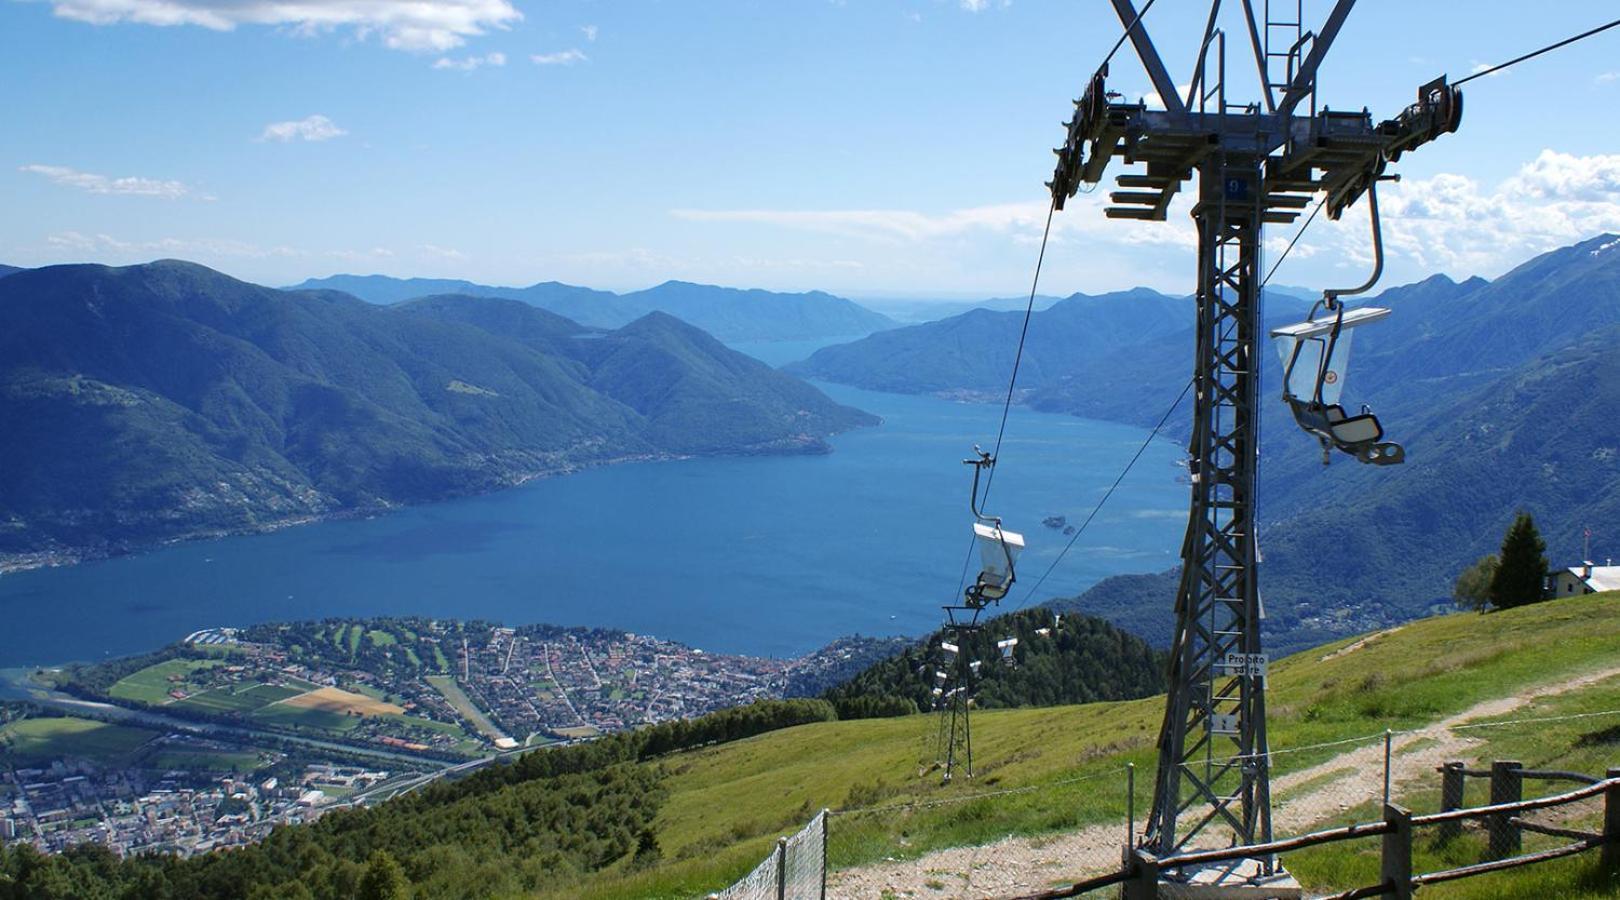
[(998, 549), (1315, 353)]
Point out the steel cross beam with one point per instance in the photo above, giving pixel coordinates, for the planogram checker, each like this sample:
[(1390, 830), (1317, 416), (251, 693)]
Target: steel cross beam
[(1213, 741)]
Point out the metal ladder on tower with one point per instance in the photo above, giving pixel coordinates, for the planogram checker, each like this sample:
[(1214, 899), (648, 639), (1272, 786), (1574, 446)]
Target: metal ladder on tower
[(1284, 43)]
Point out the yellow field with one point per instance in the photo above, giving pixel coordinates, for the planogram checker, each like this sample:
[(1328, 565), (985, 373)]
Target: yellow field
[(337, 700)]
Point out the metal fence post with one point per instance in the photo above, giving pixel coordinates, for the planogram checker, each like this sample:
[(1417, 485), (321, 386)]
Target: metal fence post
[(1452, 784), (826, 821), (1144, 881), (1611, 823), (1389, 737), (1506, 787), (781, 868), (1397, 853), (1130, 805)]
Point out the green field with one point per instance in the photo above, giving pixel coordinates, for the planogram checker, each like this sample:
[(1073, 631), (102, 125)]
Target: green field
[(238, 699), (463, 705), (32, 742), (727, 804), (304, 718), (152, 684), (428, 724), (188, 760), (380, 638)]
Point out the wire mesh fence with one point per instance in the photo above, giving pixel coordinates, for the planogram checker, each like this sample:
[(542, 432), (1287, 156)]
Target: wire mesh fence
[(976, 840), (795, 870), (804, 861)]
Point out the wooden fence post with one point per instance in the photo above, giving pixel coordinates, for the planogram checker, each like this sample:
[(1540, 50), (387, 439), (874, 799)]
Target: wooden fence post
[(1611, 824), (1506, 787), (1144, 880), (1452, 783), (1397, 853)]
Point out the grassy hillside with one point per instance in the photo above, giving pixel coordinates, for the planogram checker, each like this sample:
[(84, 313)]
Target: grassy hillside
[(726, 805)]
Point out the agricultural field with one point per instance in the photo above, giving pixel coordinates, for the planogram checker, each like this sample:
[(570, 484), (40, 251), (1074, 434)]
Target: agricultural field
[(463, 705), (238, 699), (38, 741), (304, 718), (152, 684), (199, 760), (337, 700)]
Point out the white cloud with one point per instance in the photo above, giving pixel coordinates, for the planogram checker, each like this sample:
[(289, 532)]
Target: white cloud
[(1021, 221), (434, 251), (560, 58), (889, 225), (1454, 223), (1607, 77), (310, 128), (974, 6), (131, 186), (375, 253), (467, 64), (1448, 222), (107, 245), (589, 31), (424, 25)]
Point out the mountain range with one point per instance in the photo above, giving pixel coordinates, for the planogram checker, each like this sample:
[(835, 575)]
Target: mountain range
[(730, 314), (1503, 392), (160, 401), (973, 352)]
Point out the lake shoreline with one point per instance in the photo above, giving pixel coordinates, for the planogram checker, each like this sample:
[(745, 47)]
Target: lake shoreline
[(804, 445)]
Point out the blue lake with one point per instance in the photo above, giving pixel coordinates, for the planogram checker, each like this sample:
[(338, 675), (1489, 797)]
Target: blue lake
[(771, 556)]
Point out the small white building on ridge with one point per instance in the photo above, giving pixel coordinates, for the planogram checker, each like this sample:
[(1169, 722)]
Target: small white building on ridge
[(1585, 579)]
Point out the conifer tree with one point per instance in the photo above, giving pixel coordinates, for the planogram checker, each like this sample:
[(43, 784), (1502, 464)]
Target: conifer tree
[(1522, 570), (384, 879)]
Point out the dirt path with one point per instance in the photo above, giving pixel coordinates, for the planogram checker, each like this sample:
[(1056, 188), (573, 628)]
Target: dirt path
[(1303, 798)]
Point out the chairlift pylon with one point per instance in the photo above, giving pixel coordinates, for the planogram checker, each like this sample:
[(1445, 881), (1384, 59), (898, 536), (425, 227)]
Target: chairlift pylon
[(1315, 354)]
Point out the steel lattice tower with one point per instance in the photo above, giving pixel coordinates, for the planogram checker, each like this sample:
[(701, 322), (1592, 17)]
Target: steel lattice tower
[(1257, 163)]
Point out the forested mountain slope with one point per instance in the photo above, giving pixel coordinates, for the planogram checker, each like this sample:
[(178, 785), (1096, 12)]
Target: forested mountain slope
[(159, 401), (973, 352), (1079, 659)]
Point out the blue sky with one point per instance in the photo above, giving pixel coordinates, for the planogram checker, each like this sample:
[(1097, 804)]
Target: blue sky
[(868, 147)]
